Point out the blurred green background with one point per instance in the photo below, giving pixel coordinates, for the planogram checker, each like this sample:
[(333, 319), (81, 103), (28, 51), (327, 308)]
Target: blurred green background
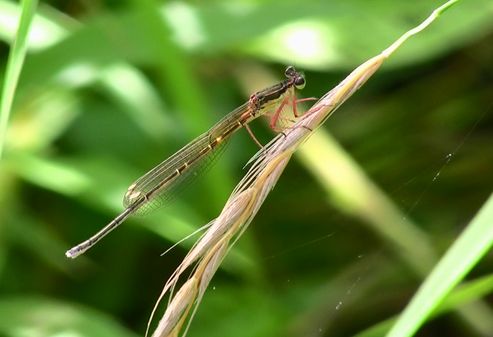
[(111, 88)]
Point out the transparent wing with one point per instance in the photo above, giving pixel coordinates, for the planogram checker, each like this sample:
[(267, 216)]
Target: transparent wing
[(181, 182), (160, 184)]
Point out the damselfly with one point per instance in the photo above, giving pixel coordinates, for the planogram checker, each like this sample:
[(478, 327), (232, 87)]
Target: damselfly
[(156, 185)]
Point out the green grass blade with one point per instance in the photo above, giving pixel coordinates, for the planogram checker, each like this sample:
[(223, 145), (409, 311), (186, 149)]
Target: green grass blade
[(467, 250), (466, 293), (14, 66)]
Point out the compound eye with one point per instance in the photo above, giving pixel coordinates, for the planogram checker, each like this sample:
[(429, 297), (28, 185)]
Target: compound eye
[(299, 82), (290, 71)]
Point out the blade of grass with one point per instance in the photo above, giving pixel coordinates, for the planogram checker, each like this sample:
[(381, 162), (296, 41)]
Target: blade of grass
[(14, 65), (468, 249), (466, 293)]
